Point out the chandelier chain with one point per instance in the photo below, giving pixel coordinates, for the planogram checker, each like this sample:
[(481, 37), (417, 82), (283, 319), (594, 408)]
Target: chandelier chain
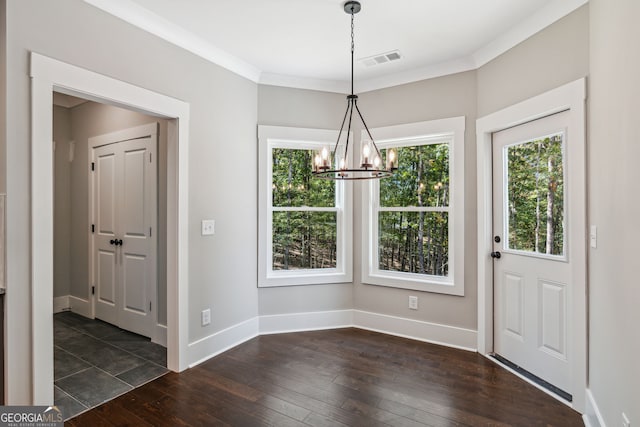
[(352, 34), (352, 49)]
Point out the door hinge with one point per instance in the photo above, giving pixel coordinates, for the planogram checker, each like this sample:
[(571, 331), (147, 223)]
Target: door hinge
[(93, 166), (149, 305), (150, 157), (149, 231), (93, 290), (93, 228)]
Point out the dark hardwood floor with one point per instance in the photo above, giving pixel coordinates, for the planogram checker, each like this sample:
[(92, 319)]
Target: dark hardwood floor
[(341, 377)]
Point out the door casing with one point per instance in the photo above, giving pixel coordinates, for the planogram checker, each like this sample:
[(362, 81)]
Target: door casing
[(572, 97), (49, 75)]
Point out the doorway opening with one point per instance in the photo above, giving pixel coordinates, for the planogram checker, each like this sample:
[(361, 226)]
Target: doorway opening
[(109, 300), (570, 313), (49, 76)]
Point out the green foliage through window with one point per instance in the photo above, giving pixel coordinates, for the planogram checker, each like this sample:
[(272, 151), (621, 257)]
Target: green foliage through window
[(422, 178), (303, 238), (535, 193), (293, 184), (416, 240)]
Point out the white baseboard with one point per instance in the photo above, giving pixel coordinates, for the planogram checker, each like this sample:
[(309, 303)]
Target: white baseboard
[(312, 321), (80, 306), (160, 336), (219, 342), (592, 416), (61, 304), (450, 336)]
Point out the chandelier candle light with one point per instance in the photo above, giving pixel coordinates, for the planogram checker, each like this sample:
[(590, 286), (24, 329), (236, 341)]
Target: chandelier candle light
[(371, 162)]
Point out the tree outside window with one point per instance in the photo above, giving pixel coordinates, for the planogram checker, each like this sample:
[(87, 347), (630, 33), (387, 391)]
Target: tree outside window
[(413, 217), (413, 231), (305, 230)]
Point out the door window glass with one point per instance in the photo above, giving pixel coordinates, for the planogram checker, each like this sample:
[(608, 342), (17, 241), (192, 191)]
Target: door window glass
[(534, 210)]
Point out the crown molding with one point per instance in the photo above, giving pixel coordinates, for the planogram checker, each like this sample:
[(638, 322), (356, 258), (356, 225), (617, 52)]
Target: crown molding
[(416, 75), (143, 18), (368, 85), (153, 23), (552, 12), (325, 85)]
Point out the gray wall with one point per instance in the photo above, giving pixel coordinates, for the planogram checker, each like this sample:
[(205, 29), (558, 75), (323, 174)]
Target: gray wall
[(279, 106), (438, 98), (614, 206), (556, 55), (61, 202), (222, 268)]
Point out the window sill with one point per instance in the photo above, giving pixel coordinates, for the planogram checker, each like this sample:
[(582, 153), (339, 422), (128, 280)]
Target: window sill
[(430, 284), (301, 278)]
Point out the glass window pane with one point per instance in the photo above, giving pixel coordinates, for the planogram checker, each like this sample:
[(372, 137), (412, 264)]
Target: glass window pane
[(292, 183), (535, 196), (414, 242), (304, 240), (422, 178)]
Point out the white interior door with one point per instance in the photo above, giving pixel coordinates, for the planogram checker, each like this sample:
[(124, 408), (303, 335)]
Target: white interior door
[(125, 215), (532, 271), (105, 231)]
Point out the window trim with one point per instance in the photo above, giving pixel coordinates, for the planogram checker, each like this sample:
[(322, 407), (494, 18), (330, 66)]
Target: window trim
[(270, 137), (432, 131)]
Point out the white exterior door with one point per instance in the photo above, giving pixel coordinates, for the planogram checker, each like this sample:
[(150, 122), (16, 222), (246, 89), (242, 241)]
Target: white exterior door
[(532, 271), (124, 243)]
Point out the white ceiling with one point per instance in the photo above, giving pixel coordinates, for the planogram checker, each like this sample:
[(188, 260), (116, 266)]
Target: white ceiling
[(305, 43)]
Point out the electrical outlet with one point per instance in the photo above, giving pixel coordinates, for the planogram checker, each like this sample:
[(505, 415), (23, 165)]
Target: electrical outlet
[(208, 227), (206, 317), (413, 303), (625, 420)]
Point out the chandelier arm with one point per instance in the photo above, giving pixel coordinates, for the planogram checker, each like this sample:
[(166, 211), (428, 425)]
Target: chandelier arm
[(346, 147), (344, 119), (368, 132)]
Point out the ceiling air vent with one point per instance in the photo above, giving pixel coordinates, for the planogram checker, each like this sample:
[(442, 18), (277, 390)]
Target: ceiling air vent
[(381, 58)]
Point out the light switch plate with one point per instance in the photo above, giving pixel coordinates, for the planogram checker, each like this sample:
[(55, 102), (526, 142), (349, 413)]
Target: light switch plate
[(208, 227), (206, 317)]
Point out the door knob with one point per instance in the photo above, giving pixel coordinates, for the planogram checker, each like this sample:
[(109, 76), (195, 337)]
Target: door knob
[(113, 242), (496, 254), (119, 242)]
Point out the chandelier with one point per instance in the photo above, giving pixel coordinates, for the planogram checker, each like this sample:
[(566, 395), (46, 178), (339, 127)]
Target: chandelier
[(337, 164)]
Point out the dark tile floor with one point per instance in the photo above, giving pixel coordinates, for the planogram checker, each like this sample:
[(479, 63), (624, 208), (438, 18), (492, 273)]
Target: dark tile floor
[(95, 362)]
